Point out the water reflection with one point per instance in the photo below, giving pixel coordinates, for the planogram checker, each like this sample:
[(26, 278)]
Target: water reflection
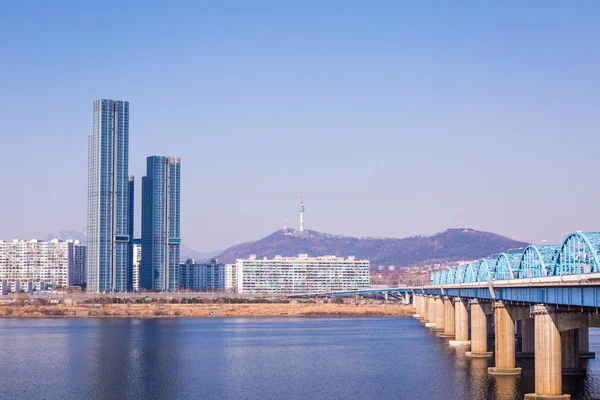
[(254, 359)]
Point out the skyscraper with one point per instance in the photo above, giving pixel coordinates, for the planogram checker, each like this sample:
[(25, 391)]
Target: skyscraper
[(108, 195), (160, 223), (130, 209)]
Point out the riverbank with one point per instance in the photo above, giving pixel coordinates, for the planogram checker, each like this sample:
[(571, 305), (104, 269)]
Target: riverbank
[(203, 310)]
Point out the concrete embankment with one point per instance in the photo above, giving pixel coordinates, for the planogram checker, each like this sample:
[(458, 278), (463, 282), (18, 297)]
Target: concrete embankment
[(203, 310)]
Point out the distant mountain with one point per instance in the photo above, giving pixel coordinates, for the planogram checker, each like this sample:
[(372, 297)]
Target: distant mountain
[(67, 235), (186, 252), (450, 245)]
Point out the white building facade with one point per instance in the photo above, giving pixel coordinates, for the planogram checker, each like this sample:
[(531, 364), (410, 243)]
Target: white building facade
[(40, 262), (302, 274), (137, 260), (231, 284)]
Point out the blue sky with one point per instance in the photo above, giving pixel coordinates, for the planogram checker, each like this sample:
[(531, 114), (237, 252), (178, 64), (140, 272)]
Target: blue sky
[(394, 118)]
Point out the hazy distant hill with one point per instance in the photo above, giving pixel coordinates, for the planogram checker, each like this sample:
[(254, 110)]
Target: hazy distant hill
[(451, 245), (185, 251), (67, 235)]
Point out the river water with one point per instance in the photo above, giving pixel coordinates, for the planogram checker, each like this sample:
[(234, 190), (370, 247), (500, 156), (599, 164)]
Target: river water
[(241, 358)]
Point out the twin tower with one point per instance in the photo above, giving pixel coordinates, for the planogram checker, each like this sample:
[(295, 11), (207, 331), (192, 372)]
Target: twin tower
[(111, 209)]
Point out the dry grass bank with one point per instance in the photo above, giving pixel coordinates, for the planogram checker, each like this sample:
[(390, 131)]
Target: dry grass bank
[(202, 310)]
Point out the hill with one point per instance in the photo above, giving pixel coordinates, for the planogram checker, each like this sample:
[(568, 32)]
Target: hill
[(450, 245), (68, 235)]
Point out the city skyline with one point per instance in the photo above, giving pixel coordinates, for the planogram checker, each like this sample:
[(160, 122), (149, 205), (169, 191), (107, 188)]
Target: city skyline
[(471, 117)]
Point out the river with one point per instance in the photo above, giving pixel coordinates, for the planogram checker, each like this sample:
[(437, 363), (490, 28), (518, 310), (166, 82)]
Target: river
[(261, 358)]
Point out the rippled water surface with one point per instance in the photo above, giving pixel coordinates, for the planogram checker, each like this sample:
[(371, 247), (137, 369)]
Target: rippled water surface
[(291, 358)]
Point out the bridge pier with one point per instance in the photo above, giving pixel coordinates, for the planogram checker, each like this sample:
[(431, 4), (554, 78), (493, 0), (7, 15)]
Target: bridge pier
[(569, 348), (505, 342), (418, 300), (449, 318), (478, 331), (431, 309), (527, 338), (548, 374), (461, 323), (440, 315), (584, 344)]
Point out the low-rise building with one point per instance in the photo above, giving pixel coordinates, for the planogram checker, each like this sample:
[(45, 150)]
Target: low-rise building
[(302, 274)]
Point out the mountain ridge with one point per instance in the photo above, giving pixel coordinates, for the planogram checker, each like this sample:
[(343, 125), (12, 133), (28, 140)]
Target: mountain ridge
[(447, 246)]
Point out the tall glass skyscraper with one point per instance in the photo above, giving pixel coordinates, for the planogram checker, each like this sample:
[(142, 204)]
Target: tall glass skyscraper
[(130, 209), (108, 194), (160, 223)]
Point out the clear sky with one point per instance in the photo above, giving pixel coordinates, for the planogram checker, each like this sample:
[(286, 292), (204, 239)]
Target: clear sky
[(394, 118)]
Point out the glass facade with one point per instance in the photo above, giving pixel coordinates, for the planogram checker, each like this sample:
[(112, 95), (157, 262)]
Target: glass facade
[(108, 195), (160, 223), (202, 276), (130, 211)]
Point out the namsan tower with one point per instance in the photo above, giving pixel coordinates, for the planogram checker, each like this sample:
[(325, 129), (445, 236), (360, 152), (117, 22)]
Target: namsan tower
[(301, 208)]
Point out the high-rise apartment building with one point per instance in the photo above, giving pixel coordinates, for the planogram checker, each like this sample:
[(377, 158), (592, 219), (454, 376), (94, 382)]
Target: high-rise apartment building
[(231, 284), (43, 263), (137, 259), (160, 223), (108, 198), (77, 274), (302, 274), (201, 276)]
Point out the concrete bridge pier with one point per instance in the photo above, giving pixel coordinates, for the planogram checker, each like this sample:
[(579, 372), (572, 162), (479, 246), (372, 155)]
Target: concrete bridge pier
[(449, 318), (431, 309), (527, 338), (569, 348), (425, 309), (440, 315), (478, 331), (548, 374), (584, 344), (505, 342), (419, 302), (461, 323), (416, 306)]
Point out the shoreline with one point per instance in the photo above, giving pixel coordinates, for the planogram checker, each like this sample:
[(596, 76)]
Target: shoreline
[(203, 310)]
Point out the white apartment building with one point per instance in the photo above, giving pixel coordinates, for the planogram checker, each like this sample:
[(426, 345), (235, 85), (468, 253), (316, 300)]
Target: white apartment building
[(40, 262), (302, 274), (137, 259), (231, 284)]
